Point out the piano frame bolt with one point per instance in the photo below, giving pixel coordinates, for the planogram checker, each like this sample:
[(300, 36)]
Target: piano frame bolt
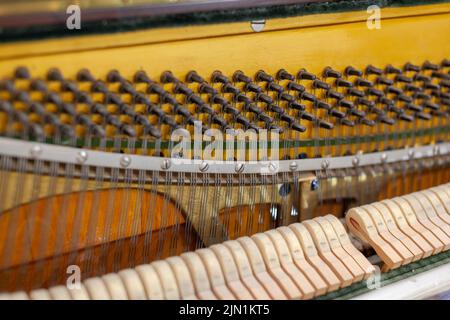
[(165, 164), (239, 167), (35, 151), (355, 161), (436, 150), (293, 166), (258, 25), (273, 167), (384, 157), (411, 154), (204, 166), (125, 161), (82, 156), (325, 164)]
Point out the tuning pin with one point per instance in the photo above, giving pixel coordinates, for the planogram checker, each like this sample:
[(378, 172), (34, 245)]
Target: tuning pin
[(445, 63), (363, 82), (373, 70), (54, 75), (403, 78), (22, 73), (38, 85), (305, 75), (390, 69), (367, 122), (168, 77), (318, 84), (385, 81), (114, 76), (218, 77), (430, 66), (350, 71), (343, 83), (142, 77), (263, 77), (297, 127), (347, 122), (152, 131), (193, 76), (239, 76), (325, 124), (85, 75), (330, 73), (284, 75), (411, 67), (6, 107)]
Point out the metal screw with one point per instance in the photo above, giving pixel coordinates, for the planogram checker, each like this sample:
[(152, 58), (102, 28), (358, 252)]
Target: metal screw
[(165, 164), (355, 161), (411, 153), (293, 166), (436, 150), (239, 167), (314, 184), (82, 156), (384, 157), (35, 151), (204, 166), (325, 164), (258, 25), (125, 161), (273, 167)]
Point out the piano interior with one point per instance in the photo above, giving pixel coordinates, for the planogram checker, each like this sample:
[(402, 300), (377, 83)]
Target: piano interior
[(294, 149)]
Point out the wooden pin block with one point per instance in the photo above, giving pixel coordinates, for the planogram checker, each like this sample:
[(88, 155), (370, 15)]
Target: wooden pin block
[(79, 292), (133, 284), (384, 232), (324, 250), (230, 272), (397, 214), (300, 261), (391, 225), (361, 225), (338, 250), (431, 212), (115, 286), (288, 265), (183, 277), (199, 276), (167, 278), (245, 270), (97, 289), (150, 282), (344, 239), (438, 206), (273, 266), (420, 223), (313, 257), (259, 269), (215, 274), (429, 220)]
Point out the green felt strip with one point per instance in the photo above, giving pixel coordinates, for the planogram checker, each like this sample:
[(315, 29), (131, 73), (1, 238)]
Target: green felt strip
[(200, 18), (391, 276), (391, 137)]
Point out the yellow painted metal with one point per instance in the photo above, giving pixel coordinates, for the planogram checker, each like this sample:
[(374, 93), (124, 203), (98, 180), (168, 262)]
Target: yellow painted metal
[(398, 41), (164, 35)]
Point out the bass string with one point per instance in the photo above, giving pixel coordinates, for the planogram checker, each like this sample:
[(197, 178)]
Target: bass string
[(123, 215)]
